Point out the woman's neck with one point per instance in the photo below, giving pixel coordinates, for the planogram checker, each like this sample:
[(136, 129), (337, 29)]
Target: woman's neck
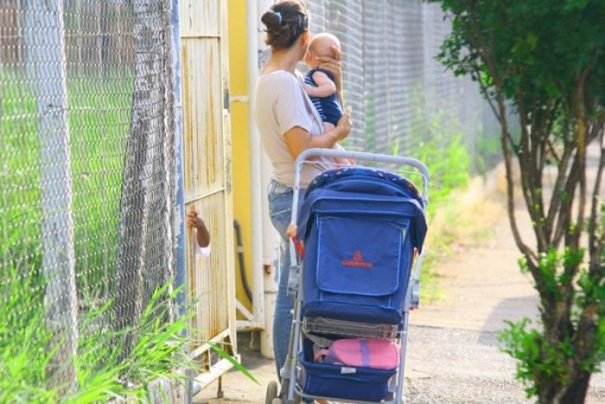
[(283, 60)]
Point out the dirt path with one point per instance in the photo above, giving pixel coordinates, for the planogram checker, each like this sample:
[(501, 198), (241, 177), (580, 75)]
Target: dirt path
[(453, 352)]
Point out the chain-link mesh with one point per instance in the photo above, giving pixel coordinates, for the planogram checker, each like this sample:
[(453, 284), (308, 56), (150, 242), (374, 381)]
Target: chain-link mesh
[(87, 171), (398, 92)]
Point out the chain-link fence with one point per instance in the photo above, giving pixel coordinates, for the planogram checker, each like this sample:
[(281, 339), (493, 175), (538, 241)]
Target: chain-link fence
[(86, 184), (400, 94)]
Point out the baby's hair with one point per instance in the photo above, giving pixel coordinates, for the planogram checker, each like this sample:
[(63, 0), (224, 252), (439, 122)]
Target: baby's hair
[(323, 49), (285, 22)]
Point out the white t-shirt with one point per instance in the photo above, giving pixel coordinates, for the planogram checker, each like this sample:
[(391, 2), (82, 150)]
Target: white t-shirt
[(282, 104)]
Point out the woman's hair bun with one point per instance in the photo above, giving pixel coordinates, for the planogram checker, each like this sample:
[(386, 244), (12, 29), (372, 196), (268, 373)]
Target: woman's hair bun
[(271, 19), (285, 22)]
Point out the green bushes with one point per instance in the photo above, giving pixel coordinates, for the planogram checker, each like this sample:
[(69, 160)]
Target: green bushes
[(447, 158)]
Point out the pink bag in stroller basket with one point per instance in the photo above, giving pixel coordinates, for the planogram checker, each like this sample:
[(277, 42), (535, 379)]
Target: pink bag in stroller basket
[(361, 352)]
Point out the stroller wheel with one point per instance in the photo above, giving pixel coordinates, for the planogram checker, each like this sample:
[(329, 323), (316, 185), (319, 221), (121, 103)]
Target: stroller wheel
[(271, 396)]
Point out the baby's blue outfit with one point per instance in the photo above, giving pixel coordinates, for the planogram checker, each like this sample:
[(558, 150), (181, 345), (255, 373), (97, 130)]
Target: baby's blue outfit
[(328, 107)]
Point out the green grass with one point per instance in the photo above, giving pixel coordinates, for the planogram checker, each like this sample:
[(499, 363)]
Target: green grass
[(24, 355), (102, 370), (99, 124), (98, 119)]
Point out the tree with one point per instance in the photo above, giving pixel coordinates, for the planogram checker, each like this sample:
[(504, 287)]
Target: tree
[(543, 63), (146, 204)]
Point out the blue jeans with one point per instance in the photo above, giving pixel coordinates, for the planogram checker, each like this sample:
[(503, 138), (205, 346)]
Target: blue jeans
[(280, 210)]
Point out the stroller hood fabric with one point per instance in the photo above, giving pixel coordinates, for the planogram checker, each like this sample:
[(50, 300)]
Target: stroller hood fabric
[(372, 190), (360, 229)]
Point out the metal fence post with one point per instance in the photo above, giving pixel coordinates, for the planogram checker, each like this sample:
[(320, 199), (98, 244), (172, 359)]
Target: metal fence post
[(46, 67)]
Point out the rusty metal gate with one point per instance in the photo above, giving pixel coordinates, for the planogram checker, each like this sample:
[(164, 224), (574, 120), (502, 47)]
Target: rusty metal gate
[(207, 176)]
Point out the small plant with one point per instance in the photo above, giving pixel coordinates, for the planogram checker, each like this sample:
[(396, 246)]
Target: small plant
[(447, 158), (442, 150)]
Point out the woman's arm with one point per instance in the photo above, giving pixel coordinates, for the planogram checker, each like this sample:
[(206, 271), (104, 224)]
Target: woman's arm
[(298, 139)]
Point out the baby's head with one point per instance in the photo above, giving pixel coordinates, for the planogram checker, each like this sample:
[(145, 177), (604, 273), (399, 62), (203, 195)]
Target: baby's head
[(321, 45)]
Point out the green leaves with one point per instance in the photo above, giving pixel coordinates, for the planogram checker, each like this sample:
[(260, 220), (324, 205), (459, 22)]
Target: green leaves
[(538, 361), (532, 49)]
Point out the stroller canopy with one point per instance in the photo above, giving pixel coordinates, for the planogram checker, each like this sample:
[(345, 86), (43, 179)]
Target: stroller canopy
[(363, 189)]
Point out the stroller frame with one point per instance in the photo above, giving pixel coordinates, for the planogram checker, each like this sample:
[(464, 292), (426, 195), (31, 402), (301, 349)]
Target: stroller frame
[(290, 388)]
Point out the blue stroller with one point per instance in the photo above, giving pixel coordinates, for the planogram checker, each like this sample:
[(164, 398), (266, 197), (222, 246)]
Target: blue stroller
[(363, 231)]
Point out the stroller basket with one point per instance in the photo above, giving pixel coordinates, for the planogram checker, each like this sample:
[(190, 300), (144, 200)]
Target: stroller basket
[(343, 382), (326, 326)]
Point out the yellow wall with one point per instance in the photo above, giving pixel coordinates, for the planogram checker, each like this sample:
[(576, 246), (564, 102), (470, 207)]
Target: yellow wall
[(239, 135)]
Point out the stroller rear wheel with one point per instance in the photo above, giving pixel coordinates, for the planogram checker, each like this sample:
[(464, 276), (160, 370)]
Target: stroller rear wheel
[(272, 392)]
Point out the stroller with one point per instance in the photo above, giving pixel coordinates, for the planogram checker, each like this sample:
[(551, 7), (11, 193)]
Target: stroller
[(363, 231)]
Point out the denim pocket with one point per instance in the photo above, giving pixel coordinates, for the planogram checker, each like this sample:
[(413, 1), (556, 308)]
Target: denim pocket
[(280, 210)]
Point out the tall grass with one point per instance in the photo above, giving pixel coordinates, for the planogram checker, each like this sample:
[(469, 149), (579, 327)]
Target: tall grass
[(102, 372), (24, 340), (99, 124), (442, 149)]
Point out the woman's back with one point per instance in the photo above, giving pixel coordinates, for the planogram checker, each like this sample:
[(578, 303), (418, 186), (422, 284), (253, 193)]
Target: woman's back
[(281, 104)]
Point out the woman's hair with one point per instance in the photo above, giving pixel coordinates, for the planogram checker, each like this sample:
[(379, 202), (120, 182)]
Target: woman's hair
[(285, 22)]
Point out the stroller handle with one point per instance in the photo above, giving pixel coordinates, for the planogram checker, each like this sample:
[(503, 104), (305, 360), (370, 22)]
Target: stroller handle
[(307, 154)]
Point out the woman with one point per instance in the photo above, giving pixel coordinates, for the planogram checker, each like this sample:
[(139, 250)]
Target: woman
[(288, 124)]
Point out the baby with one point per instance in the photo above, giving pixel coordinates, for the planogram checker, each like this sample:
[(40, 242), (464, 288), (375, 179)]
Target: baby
[(320, 85)]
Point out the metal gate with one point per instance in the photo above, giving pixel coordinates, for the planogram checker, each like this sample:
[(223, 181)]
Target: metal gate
[(207, 176)]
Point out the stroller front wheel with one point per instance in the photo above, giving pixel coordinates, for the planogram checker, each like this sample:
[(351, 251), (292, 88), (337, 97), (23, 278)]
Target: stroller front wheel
[(272, 391)]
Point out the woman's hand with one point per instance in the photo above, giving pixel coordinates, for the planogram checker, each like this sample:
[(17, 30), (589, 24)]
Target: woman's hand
[(344, 126)]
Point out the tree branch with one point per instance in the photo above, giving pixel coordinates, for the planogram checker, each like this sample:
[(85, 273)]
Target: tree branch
[(565, 209), (529, 180), (484, 90), (527, 252), (555, 199), (595, 241), (581, 132), (474, 31)]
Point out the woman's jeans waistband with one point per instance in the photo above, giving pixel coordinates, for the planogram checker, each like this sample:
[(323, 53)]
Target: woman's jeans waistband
[(277, 188)]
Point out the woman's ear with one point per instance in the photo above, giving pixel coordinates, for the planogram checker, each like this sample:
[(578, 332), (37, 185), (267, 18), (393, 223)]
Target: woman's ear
[(307, 57), (304, 38)]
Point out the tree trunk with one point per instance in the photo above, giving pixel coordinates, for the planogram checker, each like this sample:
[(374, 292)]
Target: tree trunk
[(552, 392), (146, 130)]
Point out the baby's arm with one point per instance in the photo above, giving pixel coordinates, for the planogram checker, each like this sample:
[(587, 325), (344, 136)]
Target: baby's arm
[(325, 86)]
